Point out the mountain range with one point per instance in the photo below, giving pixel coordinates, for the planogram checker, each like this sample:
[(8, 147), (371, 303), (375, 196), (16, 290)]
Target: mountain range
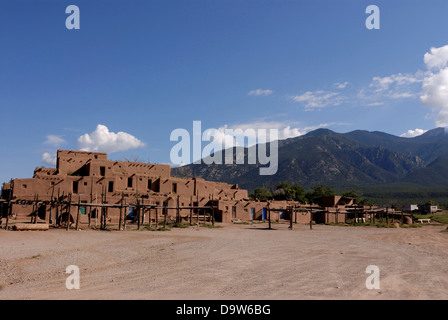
[(360, 160)]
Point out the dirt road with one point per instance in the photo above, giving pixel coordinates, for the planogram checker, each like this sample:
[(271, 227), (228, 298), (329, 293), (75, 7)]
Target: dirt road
[(231, 262)]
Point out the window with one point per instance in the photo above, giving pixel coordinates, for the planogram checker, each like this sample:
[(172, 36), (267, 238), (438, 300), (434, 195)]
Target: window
[(130, 182), (102, 171), (23, 186), (111, 186), (75, 186)]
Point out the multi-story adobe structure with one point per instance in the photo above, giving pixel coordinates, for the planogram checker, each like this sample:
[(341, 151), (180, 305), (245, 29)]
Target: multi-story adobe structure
[(89, 177)]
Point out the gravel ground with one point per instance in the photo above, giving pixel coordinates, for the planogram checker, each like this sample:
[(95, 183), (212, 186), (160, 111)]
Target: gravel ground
[(231, 262)]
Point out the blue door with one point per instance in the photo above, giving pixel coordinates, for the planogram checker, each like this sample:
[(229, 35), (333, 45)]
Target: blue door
[(252, 213), (264, 213)]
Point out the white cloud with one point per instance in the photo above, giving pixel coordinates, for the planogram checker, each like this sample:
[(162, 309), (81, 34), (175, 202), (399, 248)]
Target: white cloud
[(318, 99), (54, 140), (341, 85), (49, 159), (102, 140), (437, 58), (285, 131), (413, 133), (396, 86), (260, 92), (435, 84)]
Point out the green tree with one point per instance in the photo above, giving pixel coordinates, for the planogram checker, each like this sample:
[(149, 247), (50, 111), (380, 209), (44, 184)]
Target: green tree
[(262, 194), (299, 193), (284, 191), (350, 194), (317, 193)]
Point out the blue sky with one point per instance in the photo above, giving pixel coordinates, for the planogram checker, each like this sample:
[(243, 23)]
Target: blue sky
[(145, 68)]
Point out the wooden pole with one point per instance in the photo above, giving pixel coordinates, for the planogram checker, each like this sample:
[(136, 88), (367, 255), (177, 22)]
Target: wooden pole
[(165, 212), (177, 210), (91, 200), (32, 210), (120, 219), (9, 207), (68, 210), (311, 219), (197, 208), (269, 215), (77, 212), (57, 209), (291, 217), (191, 208), (124, 218), (50, 220), (213, 213), (138, 214)]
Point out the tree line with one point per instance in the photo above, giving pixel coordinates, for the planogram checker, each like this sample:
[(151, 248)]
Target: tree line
[(285, 190)]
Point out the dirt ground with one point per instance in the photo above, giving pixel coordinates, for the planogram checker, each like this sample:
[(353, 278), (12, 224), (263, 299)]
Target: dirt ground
[(231, 262)]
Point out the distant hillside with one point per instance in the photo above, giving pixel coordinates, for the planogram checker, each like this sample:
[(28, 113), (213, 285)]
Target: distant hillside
[(435, 174), (325, 157)]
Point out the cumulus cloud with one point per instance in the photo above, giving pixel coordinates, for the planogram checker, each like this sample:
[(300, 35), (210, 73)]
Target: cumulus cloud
[(413, 133), (437, 58), (102, 140), (49, 159), (54, 140), (435, 85), (260, 92), (318, 99)]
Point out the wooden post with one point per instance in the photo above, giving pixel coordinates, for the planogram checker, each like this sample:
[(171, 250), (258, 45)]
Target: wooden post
[(50, 220), (213, 213), (165, 212), (32, 210), (177, 210), (138, 213), (77, 213), (290, 218), (197, 208), (191, 208), (269, 215), (57, 208), (120, 219), (91, 200), (311, 219), (9, 208), (68, 211), (124, 217)]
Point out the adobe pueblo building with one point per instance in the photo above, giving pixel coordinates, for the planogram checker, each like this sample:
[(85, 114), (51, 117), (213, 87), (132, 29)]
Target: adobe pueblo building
[(86, 187)]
